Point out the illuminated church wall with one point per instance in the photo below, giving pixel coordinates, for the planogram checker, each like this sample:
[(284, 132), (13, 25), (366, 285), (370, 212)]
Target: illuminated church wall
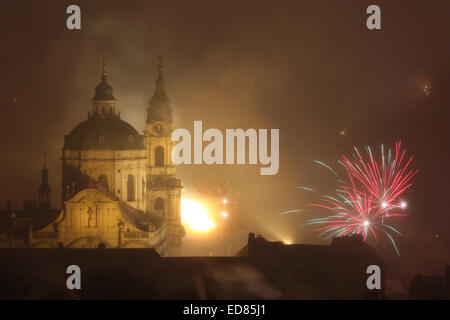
[(113, 167), (92, 218)]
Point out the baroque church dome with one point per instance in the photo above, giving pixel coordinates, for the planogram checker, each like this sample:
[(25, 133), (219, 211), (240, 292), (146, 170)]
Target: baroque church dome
[(104, 130)]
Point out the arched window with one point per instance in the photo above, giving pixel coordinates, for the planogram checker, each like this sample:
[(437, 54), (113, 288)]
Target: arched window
[(159, 156), (103, 181), (159, 206), (131, 188), (101, 139)]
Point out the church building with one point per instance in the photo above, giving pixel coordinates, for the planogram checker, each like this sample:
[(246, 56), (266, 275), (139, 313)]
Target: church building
[(119, 188)]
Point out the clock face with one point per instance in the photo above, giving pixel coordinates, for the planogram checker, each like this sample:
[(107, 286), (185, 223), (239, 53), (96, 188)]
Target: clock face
[(158, 129)]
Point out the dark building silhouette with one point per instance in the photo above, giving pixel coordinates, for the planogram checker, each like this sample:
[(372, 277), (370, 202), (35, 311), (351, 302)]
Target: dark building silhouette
[(429, 287), (261, 270)]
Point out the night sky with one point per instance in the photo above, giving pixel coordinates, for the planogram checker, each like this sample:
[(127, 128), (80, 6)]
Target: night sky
[(309, 68)]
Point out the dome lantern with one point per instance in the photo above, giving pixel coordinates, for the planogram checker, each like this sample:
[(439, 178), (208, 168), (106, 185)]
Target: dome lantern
[(103, 103)]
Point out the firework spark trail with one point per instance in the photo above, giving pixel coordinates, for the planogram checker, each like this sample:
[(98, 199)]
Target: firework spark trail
[(386, 182), (365, 202), (352, 212)]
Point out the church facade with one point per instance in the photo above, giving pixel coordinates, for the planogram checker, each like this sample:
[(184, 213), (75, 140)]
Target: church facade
[(119, 188)]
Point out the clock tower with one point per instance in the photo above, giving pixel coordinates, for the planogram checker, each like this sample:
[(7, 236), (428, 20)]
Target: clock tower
[(163, 189)]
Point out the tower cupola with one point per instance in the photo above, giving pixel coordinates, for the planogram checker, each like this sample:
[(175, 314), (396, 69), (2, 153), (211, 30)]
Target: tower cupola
[(160, 108)]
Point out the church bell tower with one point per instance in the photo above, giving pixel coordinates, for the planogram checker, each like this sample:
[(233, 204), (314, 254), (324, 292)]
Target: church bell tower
[(163, 188)]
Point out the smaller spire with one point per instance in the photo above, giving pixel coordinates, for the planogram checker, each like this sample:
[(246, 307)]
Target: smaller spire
[(44, 189), (44, 171), (45, 161)]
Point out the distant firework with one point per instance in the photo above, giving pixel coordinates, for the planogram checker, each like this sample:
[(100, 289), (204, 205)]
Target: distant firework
[(226, 193), (354, 212), (385, 181), (368, 198), (426, 90), (222, 193)]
